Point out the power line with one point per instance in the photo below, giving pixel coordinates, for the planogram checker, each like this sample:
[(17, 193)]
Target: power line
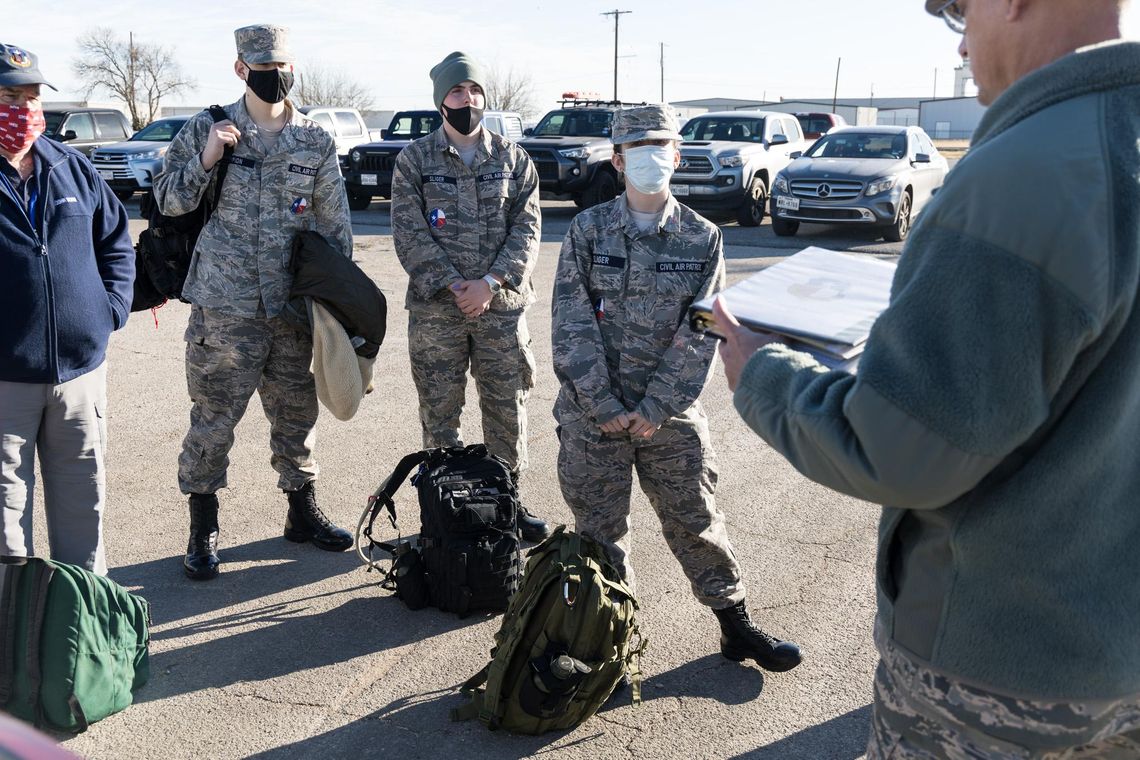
[(617, 15)]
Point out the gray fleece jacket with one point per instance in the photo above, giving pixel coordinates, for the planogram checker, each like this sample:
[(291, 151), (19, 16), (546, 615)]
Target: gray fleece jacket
[(997, 407)]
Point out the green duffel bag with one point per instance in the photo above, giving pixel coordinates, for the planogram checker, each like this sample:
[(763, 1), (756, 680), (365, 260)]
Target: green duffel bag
[(566, 639), (73, 645)]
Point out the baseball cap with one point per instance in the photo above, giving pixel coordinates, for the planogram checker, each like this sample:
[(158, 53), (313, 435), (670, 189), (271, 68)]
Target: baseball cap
[(653, 122), (19, 67)]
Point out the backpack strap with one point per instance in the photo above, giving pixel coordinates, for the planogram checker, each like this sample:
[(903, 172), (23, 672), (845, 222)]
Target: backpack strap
[(41, 579), (8, 582), (381, 499), (219, 114)]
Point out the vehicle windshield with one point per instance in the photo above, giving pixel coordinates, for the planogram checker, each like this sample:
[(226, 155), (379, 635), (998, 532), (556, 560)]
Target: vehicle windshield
[(731, 128), (412, 126), (859, 145), (160, 131), (53, 121), (571, 122)]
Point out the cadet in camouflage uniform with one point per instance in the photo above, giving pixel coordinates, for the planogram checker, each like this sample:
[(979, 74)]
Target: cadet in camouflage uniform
[(631, 371), (465, 222), (283, 178)]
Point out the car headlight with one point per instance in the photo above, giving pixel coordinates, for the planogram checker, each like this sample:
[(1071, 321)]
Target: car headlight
[(355, 156), (150, 154), (575, 152), (881, 185), (730, 161), (781, 183)]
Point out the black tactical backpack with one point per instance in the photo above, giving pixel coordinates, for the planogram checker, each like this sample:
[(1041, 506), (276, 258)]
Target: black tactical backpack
[(165, 247), (467, 556)]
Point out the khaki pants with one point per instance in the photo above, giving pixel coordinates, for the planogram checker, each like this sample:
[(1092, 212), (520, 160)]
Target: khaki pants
[(66, 426)]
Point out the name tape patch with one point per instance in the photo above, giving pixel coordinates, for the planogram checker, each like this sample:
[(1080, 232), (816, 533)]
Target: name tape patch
[(680, 266), (439, 179), (308, 171), (248, 163), (605, 260)]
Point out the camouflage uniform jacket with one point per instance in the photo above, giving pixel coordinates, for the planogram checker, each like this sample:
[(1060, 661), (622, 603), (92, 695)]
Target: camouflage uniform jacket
[(453, 223), (621, 335), (242, 257)]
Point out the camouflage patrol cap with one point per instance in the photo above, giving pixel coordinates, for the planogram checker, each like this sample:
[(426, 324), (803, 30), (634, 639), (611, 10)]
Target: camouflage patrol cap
[(263, 43), (655, 122), (18, 67)]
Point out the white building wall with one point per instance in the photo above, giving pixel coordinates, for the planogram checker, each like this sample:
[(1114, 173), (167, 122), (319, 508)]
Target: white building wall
[(950, 119)]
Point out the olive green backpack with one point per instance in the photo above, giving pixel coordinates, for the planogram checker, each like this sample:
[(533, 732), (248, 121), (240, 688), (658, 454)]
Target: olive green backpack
[(73, 645), (565, 642)]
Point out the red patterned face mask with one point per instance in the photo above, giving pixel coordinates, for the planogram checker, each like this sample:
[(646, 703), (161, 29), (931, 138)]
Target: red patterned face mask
[(19, 127)]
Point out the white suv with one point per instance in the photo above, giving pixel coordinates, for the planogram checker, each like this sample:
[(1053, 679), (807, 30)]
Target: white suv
[(346, 125)]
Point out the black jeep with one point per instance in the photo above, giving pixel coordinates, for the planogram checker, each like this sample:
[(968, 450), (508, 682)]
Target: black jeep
[(571, 150)]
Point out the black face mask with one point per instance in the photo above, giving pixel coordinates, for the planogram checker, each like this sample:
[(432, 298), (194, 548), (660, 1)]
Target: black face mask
[(464, 120), (271, 86)]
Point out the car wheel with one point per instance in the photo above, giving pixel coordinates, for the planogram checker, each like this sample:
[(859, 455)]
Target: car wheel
[(603, 188), (784, 228), (124, 195), (898, 231), (358, 200), (751, 211)]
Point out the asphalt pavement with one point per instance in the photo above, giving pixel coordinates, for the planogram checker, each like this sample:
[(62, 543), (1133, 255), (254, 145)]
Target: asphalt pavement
[(296, 653)]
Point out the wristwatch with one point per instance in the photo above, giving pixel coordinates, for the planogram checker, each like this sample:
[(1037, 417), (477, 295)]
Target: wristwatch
[(494, 284)]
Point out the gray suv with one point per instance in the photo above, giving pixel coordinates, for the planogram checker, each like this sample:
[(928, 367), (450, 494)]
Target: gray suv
[(86, 129), (729, 158), (871, 176), (131, 165)]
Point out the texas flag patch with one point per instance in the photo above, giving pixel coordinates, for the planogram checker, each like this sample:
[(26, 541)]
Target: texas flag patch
[(437, 218), (299, 206)]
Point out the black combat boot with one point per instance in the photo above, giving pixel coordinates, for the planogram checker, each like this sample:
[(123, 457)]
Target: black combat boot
[(201, 563), (532, 529), (306, 522), (741, 639)]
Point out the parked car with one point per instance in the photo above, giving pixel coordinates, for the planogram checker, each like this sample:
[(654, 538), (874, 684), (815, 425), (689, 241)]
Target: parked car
[(571, 150), (860, 175), (816, 125), (728, 159), (131, 165), (346, 125), (86, 129), (368, 170)]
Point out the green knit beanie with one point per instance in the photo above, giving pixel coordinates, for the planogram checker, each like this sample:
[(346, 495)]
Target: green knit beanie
[(455, 68)]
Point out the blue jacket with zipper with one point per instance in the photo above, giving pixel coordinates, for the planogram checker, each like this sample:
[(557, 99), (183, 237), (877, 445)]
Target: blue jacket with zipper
[(66, 276)]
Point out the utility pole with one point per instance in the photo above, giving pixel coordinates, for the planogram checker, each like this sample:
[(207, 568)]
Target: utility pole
[(872, 103), (935, 83), (662, 73), (835, 94), (617, 16), (132, 59)]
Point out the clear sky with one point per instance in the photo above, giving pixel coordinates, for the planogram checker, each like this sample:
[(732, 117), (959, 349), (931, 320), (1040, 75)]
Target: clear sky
[(752, 49)]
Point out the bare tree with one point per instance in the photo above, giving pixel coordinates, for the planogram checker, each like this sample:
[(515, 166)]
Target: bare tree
[(318, 86), (510, 90), (139, 75)]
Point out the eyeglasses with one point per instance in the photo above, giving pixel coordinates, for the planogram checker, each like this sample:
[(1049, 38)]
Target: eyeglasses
[(954, 16)]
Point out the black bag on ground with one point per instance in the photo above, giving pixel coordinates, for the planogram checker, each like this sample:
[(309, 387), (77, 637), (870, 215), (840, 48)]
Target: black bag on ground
[(165, 247), (467, 556)]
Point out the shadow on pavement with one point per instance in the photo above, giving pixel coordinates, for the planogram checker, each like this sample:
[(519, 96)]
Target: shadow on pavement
[(841, 738), (710, 677)]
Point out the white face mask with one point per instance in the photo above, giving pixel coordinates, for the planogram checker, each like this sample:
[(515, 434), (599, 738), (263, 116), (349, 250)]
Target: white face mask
[(649, 167)]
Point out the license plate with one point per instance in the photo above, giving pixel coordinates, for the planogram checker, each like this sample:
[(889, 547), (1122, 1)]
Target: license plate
[(787, 201), (368, 179), (106, 174), (680, 190)]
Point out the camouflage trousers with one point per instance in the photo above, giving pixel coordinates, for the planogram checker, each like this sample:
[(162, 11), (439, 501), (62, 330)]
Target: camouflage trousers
[(922, 714), (677, 470), (227, 359), (496, 346)]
